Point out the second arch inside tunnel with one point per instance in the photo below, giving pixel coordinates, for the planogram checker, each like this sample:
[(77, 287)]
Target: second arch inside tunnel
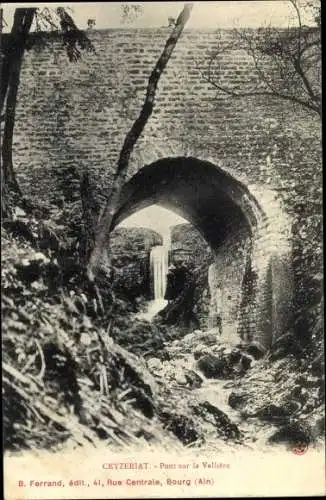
[(235, 227)]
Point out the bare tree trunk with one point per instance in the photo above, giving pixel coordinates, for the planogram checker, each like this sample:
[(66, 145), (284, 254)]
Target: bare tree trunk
[(10, 74), (100, 257)]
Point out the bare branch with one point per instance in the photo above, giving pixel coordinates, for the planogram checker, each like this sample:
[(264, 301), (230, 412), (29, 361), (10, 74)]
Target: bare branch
[(255, 93), (286, 64), (297, 10)]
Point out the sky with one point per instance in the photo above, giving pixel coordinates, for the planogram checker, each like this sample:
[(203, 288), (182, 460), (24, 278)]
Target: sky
[(154, 217), (222, 14)]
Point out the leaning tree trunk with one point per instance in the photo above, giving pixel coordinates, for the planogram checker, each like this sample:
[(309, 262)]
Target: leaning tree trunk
[(99, 258), (12, 56)]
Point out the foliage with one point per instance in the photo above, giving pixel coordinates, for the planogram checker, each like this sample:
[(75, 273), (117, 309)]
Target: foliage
[(61, 23), (61, 371), (130, 12)]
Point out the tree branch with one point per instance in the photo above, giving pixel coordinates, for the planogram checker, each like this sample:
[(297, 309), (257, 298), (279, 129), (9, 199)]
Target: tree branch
[(297, 10), (304, 78), (255, 93), (285, 76), (104, 227)]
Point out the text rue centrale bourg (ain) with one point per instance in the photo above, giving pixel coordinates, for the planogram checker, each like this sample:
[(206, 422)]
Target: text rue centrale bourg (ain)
[(147, 479)]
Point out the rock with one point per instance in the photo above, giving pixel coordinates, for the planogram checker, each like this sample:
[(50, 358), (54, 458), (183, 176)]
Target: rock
[(212, 366), (180, 378), (194, 380), (200, 350), (181, 426), (39, 257), (245, 362), (154, 364), (256, 350), (142, 401), (135, 370), (272, 412), (237, 400), (300, 394), (290, 407), (208, 338), (19, 212), (234, 356), (294, 434), (85, 339), (225, 427), (284, 345), (190, 338)]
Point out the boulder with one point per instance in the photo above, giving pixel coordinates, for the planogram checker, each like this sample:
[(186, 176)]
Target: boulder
[(194, 380), (237, 400), (201, 350), (226, 429), (285, 345), (300, 394), (234, 356), (154, 364), (180, 377), (273, 413), (293, 434), (256, 350), (182, 426), (212, 366), (245, 362), (135, 370), (208, 338)]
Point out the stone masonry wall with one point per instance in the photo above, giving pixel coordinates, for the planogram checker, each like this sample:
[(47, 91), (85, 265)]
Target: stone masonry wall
[(75, 116), (226, 276), (78, 114)]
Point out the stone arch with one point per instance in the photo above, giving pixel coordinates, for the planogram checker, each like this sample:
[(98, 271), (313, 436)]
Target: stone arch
[(245, 227)]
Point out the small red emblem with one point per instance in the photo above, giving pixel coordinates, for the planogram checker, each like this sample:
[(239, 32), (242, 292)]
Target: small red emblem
[(300, 448)]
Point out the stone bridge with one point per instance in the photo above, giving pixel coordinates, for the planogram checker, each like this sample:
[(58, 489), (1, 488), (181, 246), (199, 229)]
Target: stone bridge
[(228, 165)]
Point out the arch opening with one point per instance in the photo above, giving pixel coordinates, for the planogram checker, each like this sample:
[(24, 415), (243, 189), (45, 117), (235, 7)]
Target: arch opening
[(208, 197), (237, 230)]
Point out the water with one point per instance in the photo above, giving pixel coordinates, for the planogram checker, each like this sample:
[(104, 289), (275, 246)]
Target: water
[(159, 267), (159, 262)]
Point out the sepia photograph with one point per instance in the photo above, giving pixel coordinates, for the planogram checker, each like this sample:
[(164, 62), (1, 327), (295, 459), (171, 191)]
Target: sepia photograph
[(162, 257)]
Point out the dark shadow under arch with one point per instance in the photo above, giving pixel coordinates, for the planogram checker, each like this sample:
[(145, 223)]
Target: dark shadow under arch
[(211, 199)]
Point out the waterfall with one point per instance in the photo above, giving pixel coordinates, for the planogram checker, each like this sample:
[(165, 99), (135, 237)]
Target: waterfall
[(158, 271), (159, 260)]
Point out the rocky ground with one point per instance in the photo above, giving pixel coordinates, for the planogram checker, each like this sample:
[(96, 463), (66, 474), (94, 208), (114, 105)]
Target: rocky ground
[(241, 394), (67, 382)]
